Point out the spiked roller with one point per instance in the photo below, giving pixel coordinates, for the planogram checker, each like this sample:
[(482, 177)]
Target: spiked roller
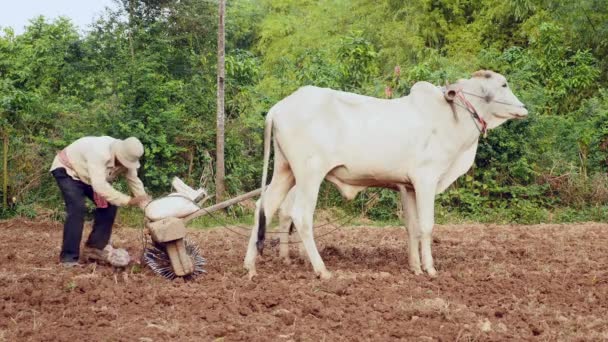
[(170, 233)]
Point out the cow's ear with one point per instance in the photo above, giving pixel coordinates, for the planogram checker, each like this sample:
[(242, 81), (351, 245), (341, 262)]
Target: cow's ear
[(450, 94), (450, 91)]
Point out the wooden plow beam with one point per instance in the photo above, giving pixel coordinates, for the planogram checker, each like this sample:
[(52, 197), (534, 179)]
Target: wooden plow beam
[(222, 205)]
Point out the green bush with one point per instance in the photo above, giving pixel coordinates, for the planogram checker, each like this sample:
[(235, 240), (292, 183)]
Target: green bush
[(152, 74)]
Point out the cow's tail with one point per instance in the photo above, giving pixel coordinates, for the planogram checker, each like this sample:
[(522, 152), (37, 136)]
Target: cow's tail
[(261, 214)]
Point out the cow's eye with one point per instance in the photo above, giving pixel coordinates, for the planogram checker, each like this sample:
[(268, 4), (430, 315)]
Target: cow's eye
[(504, 85)]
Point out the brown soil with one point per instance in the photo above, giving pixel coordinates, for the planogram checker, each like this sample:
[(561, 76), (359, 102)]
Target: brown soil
[(544, 282)]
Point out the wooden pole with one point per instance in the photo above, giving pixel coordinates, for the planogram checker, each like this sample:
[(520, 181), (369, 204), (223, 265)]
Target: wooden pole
[(131, 9), (219, 167), (222, 205), (5, 170)]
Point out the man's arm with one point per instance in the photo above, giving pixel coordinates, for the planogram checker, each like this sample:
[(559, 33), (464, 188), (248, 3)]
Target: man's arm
[(97, 173), (135, 184)]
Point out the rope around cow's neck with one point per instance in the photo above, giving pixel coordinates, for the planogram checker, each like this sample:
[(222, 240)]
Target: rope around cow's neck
[(480, 123)]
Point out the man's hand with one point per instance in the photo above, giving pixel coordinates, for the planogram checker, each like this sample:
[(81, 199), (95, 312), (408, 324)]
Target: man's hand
[(140, 201), (145, 202)]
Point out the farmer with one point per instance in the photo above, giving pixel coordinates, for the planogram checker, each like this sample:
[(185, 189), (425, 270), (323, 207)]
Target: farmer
[(84, 169)]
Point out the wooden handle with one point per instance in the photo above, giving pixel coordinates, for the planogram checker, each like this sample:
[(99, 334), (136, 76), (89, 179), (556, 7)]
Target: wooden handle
[(222, 205)]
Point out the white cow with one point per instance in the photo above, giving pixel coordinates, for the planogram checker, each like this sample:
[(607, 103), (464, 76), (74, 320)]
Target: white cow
[(418, 144)]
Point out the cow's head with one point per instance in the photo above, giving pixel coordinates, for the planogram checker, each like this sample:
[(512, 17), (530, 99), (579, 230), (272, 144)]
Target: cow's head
[(491, 96)]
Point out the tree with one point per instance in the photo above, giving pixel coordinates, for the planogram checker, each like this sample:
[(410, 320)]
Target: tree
[(220, 171)]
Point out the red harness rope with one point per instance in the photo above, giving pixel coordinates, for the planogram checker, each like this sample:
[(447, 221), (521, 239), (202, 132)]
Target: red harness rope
[(100, 202), (482, 123)]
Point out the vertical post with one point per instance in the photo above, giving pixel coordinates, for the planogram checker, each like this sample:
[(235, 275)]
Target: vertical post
[(220, 171), (131, 9), (5, 169)]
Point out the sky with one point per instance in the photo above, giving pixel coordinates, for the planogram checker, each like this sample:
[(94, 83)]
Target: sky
[(17, 13)]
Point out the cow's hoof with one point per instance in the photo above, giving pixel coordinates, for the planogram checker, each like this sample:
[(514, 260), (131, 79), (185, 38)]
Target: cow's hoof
[(252, 274), (324, 275), (416, 269), (249, 262), (286, 261), (432, 272)]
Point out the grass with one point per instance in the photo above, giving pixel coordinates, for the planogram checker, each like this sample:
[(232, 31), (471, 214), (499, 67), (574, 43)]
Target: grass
[(513, 214), (525, 215), (70, 286)]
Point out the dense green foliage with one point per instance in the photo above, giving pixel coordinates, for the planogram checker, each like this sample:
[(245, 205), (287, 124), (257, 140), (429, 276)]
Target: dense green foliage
[(148, 68)]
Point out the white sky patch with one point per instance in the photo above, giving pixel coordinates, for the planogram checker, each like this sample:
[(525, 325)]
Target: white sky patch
[(18, 13)]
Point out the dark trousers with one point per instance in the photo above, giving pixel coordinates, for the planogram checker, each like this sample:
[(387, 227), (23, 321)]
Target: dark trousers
[(74, 194)]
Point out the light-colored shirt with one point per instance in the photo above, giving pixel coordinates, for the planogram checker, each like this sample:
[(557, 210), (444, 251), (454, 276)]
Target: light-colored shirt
[(94, 163)]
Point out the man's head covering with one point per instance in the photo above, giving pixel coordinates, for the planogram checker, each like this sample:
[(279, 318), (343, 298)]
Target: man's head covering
[(128, 152)]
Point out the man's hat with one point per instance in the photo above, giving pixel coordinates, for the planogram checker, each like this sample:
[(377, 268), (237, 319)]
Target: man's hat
[(128, 152)]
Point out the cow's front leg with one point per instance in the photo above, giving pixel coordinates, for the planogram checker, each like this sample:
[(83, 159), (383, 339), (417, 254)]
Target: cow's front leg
[(410, 220), (425, 203)]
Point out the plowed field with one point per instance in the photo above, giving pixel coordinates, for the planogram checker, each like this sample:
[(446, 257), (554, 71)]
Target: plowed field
[(542, 282)]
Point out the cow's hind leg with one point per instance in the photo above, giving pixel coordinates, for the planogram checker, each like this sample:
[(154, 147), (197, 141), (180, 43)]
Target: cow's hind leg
[(282, 181), (302, 212), (408, 206), (252, 252)]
